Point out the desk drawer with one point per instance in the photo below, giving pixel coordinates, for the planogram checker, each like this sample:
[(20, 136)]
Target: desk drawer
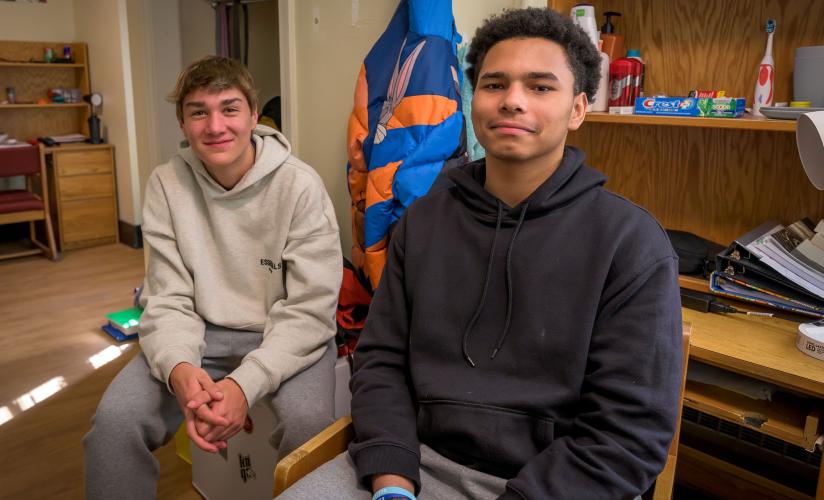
[(86, 186), (83, 162), (88, 220)]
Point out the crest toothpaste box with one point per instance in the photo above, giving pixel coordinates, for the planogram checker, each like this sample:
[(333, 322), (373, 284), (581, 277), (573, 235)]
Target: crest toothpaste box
[(718, 107), (667, 106)]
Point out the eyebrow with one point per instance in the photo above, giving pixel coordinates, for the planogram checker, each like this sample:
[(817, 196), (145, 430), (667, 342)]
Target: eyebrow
[(533, 75), (201, 104)]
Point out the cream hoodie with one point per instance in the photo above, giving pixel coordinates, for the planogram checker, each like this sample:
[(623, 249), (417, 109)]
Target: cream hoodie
[(263, 256)]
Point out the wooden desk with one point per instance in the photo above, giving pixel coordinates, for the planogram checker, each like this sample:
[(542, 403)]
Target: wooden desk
[(761, 348), (82, 181)]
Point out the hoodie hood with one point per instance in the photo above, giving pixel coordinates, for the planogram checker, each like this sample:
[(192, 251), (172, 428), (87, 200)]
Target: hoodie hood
[(271, 150), (570, 180)]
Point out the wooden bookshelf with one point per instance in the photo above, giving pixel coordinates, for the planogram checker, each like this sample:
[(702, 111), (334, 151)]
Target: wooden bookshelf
[(6, 64), (747, 122), (718, 178), (20, 68), (49, 105), (715, 177)]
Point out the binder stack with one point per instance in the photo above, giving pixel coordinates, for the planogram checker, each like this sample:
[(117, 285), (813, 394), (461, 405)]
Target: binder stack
[(775, 266)]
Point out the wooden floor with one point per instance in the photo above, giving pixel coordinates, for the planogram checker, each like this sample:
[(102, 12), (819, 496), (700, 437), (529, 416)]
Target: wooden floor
[(50, 318)]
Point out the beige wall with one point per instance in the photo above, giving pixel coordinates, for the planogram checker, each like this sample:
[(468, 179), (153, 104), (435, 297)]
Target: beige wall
[(264, 57), (38, 22), (167, 54), (328, 57), (154, 38), (469, 14), (103, 25), (140, 43), (197, 30)]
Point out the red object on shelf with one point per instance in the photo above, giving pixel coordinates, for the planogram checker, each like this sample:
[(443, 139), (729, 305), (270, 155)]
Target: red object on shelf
[(621, 79)]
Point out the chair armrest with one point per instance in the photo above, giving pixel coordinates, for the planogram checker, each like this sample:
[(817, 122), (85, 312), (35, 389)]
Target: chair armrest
[(325, 446), (662, 489)]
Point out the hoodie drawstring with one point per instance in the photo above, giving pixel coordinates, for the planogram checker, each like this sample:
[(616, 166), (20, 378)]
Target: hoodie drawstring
[(508, 277), (481, 303), (502, 337)]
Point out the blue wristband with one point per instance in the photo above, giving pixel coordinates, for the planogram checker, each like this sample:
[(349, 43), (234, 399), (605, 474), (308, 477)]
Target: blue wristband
[(393, 492)]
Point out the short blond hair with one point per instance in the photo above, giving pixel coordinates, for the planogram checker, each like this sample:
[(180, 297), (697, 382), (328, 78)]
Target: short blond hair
[(215, 74)]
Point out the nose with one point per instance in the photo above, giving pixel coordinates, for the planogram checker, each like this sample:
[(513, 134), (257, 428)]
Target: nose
[(215, 124), (513, 99)]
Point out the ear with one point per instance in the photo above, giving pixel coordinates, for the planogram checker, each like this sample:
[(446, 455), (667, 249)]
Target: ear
[(579, 111)]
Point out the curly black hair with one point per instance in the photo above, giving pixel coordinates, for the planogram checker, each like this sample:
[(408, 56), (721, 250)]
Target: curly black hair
[(583, 57)]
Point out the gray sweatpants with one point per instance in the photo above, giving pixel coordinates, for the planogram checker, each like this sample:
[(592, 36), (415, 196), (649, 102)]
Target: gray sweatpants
[(137, 415), (441, 478)]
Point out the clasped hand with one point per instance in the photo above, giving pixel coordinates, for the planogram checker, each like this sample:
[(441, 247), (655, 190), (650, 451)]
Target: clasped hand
[(213, 411)]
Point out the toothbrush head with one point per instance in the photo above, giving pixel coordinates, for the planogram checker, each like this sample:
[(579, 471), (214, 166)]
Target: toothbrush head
[(770, 28)]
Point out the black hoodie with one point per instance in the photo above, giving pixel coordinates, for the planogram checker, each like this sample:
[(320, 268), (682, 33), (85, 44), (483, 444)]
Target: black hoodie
[(540, 343)]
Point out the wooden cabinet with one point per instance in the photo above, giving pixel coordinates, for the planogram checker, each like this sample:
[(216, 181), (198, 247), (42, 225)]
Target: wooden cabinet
[(84, 206), (719, 178)]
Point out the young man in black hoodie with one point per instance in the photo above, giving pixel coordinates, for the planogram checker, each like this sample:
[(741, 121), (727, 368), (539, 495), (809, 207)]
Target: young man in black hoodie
[(525, 340)]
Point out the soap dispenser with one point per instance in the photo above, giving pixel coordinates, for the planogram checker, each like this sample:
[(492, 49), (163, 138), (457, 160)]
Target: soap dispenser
[(612, 43)]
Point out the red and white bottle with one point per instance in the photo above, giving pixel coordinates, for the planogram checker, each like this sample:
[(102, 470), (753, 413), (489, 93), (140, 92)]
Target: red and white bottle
[(640, 72), (621, 78)]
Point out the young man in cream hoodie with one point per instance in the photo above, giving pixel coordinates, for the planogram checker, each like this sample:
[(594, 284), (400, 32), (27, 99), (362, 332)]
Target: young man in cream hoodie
[(244, 268)]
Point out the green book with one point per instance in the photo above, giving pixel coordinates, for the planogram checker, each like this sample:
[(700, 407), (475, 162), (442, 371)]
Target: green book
[(126, 320)]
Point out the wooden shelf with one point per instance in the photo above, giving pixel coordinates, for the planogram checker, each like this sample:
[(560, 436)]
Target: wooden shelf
[(5, 64), (747, 122), (759, 347), (725, 480), (694, 283), (786, 417), (22, 67), (50, 105), (75, 146)]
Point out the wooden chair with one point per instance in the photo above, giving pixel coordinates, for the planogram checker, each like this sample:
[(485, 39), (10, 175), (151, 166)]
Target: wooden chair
[(333, 441), (26, 205), (662, 489)]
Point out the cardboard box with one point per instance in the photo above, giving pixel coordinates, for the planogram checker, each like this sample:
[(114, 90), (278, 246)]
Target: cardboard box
[(343, 397), (246, 468), (243, 470)]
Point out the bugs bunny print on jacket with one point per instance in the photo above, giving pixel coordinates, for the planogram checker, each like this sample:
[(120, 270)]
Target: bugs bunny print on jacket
[(397, 88)]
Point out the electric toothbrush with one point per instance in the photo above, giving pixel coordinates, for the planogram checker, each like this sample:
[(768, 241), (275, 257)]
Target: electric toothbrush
[(766, 74)]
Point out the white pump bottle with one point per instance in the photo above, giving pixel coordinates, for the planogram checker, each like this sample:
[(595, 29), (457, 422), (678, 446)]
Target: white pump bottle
[(584, 16)]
